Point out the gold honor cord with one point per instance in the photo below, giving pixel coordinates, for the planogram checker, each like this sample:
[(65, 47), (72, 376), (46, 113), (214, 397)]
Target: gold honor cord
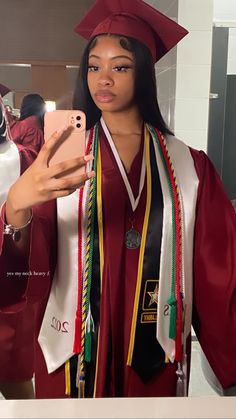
[(67, 378), (142, 247), (101, 247), (99, 210)]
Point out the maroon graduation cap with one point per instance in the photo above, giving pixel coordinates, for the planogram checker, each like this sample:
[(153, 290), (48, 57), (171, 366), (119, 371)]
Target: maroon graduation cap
[(133, 18), (4, 90)]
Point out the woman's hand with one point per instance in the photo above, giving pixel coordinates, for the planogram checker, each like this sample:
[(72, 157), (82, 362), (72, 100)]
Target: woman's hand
[(39, 183)]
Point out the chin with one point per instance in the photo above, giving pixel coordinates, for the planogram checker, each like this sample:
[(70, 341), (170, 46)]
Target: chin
[(106, 107)]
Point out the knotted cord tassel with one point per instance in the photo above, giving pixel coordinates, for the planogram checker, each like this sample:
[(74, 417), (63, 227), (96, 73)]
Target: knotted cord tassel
[(173, 316), (89, 329), (181, 381), (81, 387), (80, 379)]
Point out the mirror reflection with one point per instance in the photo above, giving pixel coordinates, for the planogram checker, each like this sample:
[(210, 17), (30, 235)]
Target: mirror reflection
[(117, 259)]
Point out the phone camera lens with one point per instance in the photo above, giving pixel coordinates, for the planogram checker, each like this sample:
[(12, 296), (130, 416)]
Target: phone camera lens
[(78, 125), (78, 118)]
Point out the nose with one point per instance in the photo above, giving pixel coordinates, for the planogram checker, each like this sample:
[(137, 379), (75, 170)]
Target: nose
[(105, 79)]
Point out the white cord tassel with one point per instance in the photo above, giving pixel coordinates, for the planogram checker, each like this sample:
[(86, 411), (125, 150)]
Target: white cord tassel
[(181, 386), (80, 380)]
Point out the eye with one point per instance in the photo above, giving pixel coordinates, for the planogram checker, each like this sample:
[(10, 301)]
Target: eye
[(93, 68), (122, 68)]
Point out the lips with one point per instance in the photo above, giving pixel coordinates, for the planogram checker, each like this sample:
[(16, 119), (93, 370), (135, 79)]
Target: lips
[(104, 96)]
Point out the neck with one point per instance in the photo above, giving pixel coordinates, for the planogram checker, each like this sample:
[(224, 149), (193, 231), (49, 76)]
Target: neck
[(123, 123)]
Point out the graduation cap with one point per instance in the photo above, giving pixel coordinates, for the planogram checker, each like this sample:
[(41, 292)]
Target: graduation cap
[(133, 18), (4, 90)]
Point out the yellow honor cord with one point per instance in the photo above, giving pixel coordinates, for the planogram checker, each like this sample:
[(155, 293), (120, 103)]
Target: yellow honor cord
[(99, 210), (67, 378), (142, 247)]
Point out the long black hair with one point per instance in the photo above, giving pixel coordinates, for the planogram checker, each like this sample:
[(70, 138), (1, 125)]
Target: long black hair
[(145, 86), (33, 104)]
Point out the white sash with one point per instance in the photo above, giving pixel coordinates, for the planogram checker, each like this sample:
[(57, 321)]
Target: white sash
[(57, 344), (187, 181), (57, 332), (56, 336), (9, 167)]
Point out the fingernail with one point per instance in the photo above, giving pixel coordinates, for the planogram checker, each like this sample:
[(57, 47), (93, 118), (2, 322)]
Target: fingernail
[(91, 174), (87, 158)]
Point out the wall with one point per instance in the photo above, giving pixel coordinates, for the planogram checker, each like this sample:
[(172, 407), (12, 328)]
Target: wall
[(193, 72), (166, 67), (232, 50), (225, 15), (41, 30), (37, 43), (224, 10), (183, 76), (222, 127)]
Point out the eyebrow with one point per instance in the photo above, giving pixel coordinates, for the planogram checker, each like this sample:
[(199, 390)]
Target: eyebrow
[(113, 58)]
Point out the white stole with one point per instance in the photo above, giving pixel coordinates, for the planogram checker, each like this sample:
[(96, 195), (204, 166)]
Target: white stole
[(57, 332), (187, 181)]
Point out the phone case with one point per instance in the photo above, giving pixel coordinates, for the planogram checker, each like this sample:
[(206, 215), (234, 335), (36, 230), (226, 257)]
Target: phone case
[(72, 142)]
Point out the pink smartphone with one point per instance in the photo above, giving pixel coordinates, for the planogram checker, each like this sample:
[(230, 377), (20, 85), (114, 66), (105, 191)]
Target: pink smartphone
[(72, 142)]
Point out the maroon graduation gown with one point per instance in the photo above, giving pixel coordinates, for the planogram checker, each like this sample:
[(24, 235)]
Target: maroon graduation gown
[(28, 133), (214, 268), (214, 287)]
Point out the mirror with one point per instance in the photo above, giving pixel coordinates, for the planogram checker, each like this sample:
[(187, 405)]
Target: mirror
[(48, 65)]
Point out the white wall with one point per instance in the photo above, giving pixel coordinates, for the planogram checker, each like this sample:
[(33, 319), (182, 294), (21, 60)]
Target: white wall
[(166, 67), (232, 51), (224, 10), (183, 75), (225, 14), (193, 72)]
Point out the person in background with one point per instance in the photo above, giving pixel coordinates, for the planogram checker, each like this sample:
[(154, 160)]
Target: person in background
[(28, 130), (4, 90), (16, 329), (140, 246)]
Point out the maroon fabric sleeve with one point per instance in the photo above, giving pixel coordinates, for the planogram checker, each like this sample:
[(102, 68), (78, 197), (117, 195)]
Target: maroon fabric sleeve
[(33, 139), (214, 311), (26, 279), (28, 133), (27, 156), (43, 251), (23, 280)]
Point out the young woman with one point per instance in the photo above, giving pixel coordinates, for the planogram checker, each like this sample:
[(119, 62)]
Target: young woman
[(132, 245)]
